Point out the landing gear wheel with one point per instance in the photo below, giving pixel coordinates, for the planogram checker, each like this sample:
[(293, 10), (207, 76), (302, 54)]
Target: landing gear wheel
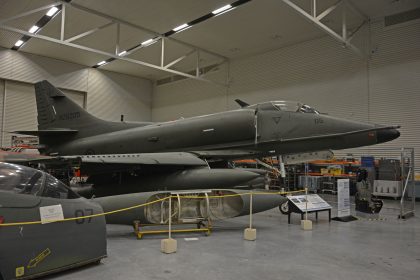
[(284, 208)]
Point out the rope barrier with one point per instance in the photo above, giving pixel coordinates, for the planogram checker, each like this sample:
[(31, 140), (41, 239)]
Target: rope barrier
[(145, 204), (87, 216)]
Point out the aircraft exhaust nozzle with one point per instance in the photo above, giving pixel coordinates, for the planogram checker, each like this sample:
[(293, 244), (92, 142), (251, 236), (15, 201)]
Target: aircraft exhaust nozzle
[(386, 135)]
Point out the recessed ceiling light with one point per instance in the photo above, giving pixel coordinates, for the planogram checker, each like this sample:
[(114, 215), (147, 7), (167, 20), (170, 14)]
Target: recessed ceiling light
[(224, 8), (19, 43), (52, 11), (182, 26), (33, 29), (101, 63), (122, 53)]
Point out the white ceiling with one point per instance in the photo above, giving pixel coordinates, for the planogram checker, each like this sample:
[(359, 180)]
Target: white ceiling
[(255, 27)]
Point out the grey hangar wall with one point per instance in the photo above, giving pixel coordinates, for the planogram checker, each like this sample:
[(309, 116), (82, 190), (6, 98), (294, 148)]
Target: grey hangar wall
[(105, 94), (384, 89)]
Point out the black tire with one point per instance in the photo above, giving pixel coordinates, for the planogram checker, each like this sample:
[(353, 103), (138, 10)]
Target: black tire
[(284, 208)]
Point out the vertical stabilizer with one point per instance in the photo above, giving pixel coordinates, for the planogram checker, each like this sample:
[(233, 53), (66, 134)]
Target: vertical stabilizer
[(55, 110)]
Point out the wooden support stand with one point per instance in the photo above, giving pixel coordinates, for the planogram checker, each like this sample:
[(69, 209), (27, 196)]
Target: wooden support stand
[(168, 246), (250, 234)]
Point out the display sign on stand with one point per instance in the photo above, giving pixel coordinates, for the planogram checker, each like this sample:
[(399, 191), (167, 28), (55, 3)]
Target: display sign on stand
[(315, 202), (343, 201), (311, 203)]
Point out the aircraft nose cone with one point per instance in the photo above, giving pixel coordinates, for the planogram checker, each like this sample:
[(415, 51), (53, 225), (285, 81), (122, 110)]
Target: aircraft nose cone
[(386, 135)]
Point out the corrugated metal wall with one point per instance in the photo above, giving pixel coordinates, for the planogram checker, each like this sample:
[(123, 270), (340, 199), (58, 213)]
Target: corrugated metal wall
[(20, 108), (30, 68), (1, 111), (385, 89), (111, 95), (108, 94), (394, 87)]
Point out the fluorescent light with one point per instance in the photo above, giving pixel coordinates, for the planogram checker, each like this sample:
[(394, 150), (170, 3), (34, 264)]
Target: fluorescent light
[(19, 43), (101, 63), (33, 29), (224, 8), (122, 53), (182, 26), (147, 42), (52, 11), (225, 11)]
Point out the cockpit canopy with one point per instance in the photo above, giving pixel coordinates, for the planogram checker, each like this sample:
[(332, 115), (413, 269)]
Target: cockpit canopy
[(287, 106), (25, 180)]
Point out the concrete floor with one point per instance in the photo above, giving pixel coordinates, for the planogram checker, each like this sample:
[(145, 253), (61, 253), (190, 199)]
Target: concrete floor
[(363, 249)]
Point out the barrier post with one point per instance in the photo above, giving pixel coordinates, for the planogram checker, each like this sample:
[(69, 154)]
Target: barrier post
[(169, 245), (250, 233), (306, 224)]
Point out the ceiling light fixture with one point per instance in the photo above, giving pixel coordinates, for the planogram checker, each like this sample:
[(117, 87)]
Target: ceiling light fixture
[(19, 43), (224, 8), (147, 42), (101, 63), (52, 11), (38, 25), (219, 14), (33, 29), (181, 27)]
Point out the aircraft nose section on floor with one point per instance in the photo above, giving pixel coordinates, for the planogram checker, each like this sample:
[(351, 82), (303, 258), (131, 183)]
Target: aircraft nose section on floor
[(386, 135)]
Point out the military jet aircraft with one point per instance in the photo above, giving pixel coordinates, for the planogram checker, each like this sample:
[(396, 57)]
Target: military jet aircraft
[(276, 127), (32, 250), (167, 155)]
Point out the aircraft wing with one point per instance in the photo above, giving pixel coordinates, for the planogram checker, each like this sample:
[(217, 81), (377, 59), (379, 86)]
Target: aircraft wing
[(226, 154), (122, 162), (174, 158)]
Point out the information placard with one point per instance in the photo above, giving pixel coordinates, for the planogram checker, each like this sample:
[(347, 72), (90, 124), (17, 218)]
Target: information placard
[(314, 202), (343, 197), (51, 213)]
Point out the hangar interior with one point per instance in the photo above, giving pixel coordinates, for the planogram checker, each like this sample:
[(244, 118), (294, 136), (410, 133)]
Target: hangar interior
[(137, 61), (261, 59)]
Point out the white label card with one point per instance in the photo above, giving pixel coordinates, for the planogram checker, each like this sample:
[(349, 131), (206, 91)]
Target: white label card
[(51, 213)]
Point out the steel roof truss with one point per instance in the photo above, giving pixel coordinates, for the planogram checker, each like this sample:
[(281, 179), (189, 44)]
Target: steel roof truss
[(316, 20), (70, 42)]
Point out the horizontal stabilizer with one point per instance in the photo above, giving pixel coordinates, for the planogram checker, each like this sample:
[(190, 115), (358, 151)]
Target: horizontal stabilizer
[(47, 132)]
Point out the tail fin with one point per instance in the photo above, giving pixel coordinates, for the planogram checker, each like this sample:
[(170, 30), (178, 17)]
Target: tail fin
[(61, 120), (56, 111)]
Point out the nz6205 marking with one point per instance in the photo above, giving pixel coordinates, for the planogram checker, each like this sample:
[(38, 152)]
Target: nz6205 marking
[(69, 116)]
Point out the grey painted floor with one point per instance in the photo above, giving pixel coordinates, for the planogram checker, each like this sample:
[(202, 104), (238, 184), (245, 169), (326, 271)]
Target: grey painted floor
[(381, 249)]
